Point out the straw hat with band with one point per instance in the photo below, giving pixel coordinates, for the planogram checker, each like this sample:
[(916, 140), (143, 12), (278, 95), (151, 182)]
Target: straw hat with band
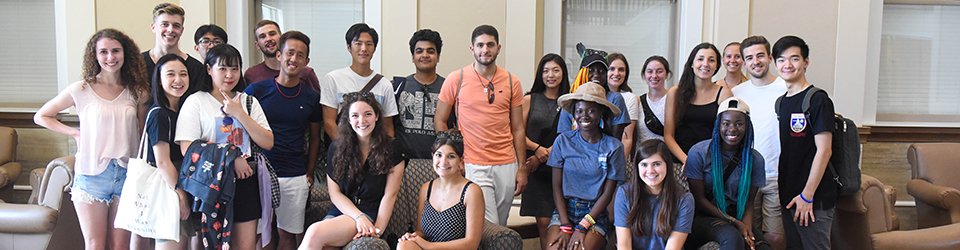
[(591, 92)]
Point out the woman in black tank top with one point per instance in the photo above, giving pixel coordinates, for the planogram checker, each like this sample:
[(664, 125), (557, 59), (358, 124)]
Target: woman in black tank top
[(687, 122), (450, 208)]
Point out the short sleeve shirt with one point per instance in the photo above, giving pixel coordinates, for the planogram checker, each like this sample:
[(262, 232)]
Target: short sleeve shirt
[(342, 81), (799, 148), (161, 127), (367, 193), (261, 72), (418, 105), (566, 122), (487, 137), (762, 100), (289, 110), (699, 166), (587, 165), (650, 241), (201, 119)]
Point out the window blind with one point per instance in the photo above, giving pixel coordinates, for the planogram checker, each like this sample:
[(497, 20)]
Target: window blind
[(636, 28), (28, 57), (918, 79), (325, 22)]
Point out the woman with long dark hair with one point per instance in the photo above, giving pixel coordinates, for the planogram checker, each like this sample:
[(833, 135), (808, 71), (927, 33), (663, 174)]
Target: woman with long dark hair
[(653, 209), (724, 174), (110, 104), (365, 171), (692, 103), (541, 111), (618, 72), (450, 208), (218, 112)]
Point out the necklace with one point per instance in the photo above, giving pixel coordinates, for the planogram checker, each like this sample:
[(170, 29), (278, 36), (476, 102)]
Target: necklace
[(284, 95)]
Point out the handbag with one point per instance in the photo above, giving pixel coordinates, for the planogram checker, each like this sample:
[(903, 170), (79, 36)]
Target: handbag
[(148, 207)]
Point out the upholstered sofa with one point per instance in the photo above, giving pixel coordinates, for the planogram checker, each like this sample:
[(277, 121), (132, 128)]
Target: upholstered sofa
[(935, 182), (417, 172), (9, 168), (866, 220), (48, 220)]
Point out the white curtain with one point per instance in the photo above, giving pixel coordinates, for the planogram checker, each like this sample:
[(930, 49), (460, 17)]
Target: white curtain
[(28, 55)]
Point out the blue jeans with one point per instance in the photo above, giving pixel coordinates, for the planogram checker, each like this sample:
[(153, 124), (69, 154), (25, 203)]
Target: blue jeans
[(577, 209), (707, 228), (101, 187), (816, 235)]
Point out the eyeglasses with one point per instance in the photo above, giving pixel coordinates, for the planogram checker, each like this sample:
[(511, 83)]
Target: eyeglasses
[(206, 42), (426, 95)]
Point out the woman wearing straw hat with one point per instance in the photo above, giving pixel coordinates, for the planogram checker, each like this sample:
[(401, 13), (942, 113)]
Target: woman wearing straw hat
[(587, 165)]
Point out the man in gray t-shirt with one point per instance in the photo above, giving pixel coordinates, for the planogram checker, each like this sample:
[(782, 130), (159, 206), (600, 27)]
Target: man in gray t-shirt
[(417, 101)]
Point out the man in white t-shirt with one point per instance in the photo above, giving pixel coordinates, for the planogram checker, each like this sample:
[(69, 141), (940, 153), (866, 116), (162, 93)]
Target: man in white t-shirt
[(761, 93), (361, 43)]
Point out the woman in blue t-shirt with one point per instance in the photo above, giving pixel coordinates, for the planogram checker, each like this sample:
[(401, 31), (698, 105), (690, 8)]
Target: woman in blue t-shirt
[(724, 174), (662, 218), (587, 165)]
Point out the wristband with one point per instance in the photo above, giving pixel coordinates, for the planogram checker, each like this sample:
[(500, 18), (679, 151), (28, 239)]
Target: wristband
[(358, 216), (590, 219), (567, 229), (805, 199), (580, 229), (535, 150)]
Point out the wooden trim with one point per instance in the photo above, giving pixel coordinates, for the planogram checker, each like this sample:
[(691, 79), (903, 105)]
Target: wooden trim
[(909, 134), (25, 119)]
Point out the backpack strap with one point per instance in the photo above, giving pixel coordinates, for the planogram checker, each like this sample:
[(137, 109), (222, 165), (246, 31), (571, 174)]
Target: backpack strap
[(804, 106), (373, 82)]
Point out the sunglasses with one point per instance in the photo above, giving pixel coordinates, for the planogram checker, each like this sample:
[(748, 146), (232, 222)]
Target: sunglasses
[(356, 96), (444, 135)]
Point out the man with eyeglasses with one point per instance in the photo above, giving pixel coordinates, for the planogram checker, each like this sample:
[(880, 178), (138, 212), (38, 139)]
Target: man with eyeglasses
[(206, 37), (417, 100), (487, 100), (267, 36)]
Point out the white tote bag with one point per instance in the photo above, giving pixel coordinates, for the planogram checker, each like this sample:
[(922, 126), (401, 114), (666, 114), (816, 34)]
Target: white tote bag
[(148, 206)]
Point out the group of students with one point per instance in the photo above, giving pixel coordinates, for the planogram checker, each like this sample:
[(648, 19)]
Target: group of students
[(699, 136)]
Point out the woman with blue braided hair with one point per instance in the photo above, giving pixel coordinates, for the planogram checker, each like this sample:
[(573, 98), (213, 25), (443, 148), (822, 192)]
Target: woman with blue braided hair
[(724, 174)]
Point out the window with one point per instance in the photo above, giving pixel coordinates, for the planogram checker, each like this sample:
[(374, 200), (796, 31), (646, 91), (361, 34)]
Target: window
[(324, 21), (918, 57), (636, 28), (29, 62)]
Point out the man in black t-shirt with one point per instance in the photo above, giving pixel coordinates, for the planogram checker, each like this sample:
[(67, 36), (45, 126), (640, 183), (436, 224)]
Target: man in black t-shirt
[(417, 102), (807, 194)]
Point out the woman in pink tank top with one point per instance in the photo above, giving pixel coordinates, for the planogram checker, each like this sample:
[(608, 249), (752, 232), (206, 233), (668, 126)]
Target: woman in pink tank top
[(109, 102)]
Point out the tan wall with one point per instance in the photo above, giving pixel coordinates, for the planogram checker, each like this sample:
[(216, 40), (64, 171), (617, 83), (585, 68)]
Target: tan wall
[(771, 20), (134, 17)]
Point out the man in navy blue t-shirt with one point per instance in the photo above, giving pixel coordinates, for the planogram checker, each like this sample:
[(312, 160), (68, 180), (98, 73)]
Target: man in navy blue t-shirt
[(291, 108)]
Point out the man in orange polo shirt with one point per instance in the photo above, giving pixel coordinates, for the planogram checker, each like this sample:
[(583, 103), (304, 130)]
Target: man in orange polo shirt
[(487, 100)]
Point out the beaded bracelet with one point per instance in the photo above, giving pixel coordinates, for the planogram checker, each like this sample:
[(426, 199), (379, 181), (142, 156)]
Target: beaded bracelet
[(590, 219), (580, 229)]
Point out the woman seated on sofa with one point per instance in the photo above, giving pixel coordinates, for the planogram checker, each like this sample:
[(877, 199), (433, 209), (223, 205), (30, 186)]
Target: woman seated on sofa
[(365, 169), (450, 207), (724, 174)]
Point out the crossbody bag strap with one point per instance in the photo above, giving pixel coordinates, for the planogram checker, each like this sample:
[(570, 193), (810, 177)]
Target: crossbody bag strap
[(373, 82), (142, 152)]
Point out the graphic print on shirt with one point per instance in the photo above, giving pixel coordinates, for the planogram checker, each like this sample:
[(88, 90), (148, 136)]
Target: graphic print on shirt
[(417, 111), (232, 132), (798, 122)]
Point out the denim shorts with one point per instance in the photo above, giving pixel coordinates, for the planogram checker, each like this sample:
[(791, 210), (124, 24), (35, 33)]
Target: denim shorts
[(101, 187), (577, 209)]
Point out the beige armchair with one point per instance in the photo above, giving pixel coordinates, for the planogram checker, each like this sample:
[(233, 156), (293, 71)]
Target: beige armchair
[(935, 182), (866, 220), (49, 220), (9, 168)]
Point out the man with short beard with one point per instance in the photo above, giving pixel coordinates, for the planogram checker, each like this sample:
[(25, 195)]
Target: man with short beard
[(761, 92), (487, 100), (268, 33)]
